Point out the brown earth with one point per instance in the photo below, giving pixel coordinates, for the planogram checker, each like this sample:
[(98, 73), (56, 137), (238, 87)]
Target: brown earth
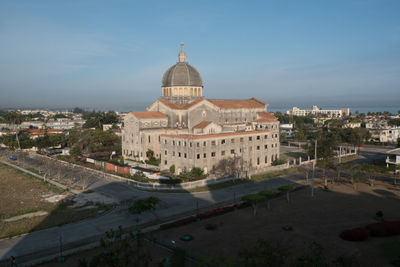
[(320, 219)]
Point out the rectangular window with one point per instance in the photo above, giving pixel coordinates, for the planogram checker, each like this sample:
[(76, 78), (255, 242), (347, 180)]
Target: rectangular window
[(165, 141), (232, 141), (266, 159), (212, 154), (198, 156), (250, 138), (258, 161), (258, 147), (173, 153), (198, 144), (173, 142), (266, 136), (165, 162), (223, 153), (265, 146), (204, 143), (204, 155), (149, 138), (241, 139), (222, 141), (179, 143), (258, 137), (184, 155), (213, 143), (184, 143), (190, 144), (232, 151), (165, 152)]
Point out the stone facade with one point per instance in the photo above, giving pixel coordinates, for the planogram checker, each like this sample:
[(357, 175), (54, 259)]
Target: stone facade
[(186, 130)]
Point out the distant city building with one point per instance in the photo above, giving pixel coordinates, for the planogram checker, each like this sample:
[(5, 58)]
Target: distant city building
[(295, 111), (349, 124), (186, 130), (287, 129)]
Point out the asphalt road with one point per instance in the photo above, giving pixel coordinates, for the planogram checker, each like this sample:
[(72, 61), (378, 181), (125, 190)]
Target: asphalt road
[(46, 241)]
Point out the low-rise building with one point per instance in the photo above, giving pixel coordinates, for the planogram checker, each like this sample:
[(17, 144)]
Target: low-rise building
[(393, 157), (330, 113)]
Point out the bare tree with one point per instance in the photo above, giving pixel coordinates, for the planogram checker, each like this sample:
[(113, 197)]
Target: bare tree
[(305, 169)]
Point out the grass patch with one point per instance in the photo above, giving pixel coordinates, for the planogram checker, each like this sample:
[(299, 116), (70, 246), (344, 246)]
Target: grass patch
[(260, 177)]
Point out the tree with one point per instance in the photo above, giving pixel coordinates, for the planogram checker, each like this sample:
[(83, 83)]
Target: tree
[(91, 141), (172, 168), (305, 169), (228, 167), (253, 200), (287, 189), (142, 205), (268, 195), (122, 249)]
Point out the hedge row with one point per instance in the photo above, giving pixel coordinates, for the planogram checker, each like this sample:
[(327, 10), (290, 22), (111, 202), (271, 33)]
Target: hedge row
[(380, 229), (204, 215)]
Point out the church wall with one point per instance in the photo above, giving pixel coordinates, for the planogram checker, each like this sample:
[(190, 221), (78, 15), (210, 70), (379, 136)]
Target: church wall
[(258, 150), (202, 113)]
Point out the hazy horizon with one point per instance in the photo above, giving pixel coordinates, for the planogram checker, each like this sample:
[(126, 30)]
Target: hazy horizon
[(112, 55)]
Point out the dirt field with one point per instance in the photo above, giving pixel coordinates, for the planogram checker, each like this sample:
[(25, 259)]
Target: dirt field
[(21, 194), (321, 219)]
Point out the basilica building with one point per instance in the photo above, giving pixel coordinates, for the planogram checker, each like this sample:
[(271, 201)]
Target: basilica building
[(185, 129)]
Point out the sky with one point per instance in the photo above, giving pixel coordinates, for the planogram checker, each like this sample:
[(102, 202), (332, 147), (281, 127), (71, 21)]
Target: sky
[(111, 55)]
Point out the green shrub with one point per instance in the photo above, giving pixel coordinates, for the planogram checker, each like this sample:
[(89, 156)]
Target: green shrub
[(278, 162), (143, 205)]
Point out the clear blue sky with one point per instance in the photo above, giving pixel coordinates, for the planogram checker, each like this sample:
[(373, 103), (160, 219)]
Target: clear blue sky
[(112, 54)]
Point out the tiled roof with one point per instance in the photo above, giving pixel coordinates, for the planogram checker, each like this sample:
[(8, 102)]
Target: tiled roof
[(202, 124), (231, 104), (215, 135), (266, 117), (45, 131), (180, 106), (149, 115)]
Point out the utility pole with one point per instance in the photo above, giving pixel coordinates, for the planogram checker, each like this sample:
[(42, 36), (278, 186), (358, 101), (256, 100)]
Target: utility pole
[(313, 169)]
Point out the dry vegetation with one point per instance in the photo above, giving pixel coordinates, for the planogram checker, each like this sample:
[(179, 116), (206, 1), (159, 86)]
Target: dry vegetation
[(21, 194)]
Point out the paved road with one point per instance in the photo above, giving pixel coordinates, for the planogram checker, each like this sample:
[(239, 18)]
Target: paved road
[(89, 230)]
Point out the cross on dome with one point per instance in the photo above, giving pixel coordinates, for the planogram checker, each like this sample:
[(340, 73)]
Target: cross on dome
[(182, 54)]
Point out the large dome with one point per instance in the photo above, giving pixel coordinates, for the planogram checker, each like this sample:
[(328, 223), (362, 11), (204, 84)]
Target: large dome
[(182, 74)]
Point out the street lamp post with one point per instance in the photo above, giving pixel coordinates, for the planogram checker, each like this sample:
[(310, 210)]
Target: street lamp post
[(313, 170)]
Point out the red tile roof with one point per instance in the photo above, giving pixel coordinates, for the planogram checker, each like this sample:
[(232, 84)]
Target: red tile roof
[(149, 115), (202, 124), (180, 106), (45, 131), (221, 103), (231, 104), (266, 117), (214, 135)]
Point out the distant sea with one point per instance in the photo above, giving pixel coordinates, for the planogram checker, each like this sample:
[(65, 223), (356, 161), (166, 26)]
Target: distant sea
[(365, 110)]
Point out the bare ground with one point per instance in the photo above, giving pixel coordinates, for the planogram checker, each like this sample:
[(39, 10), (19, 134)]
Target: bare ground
[(320, 219)]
